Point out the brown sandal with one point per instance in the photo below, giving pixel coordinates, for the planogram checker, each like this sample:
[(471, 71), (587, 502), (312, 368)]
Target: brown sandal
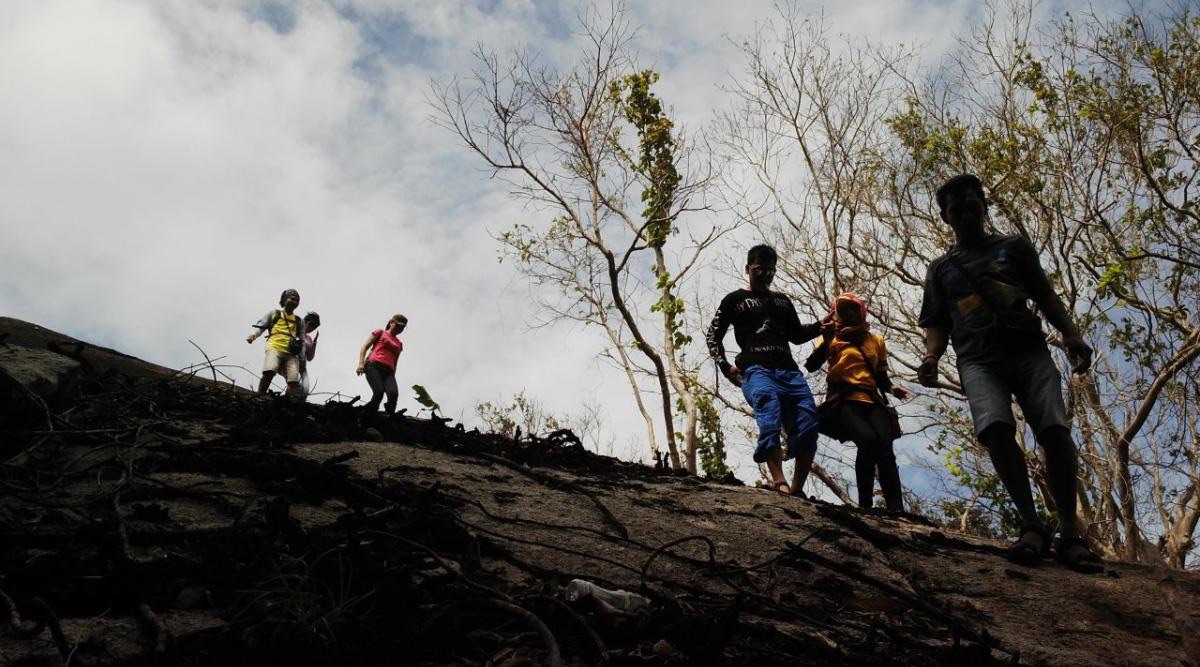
[(1075, 554), (780, 486), (1026, 553)]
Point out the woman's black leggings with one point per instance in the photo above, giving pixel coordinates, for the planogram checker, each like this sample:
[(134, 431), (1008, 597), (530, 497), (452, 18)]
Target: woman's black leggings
[(869, 427), (383, 381)]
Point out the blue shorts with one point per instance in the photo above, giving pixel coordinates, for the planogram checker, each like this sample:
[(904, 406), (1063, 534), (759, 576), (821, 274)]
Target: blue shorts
[(1032, 378), (782, 401)]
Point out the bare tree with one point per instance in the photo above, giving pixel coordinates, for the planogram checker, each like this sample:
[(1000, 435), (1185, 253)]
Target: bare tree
[(1085, 132), (807, 111), (524, 416), (592, 148)]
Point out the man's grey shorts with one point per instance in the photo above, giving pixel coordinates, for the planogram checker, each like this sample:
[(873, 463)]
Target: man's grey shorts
[(1031, 377)]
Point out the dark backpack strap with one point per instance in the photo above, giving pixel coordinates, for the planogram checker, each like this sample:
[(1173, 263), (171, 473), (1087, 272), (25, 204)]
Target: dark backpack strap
[(974, 281)]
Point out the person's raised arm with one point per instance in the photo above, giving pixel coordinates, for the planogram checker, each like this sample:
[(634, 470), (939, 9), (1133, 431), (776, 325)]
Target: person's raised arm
[(362, 353), (820, 353), (799, 334)]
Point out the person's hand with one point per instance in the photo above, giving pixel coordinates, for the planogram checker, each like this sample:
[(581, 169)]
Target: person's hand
[(927, 372), (828, 327), (734, 375), (1079, 352), (250, 338), (359, 370), (316, 336), (901, 393)]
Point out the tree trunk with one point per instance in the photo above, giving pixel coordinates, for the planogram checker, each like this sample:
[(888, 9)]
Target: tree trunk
[(690, 409), (1134, 549), (614, 282), (627, 366)]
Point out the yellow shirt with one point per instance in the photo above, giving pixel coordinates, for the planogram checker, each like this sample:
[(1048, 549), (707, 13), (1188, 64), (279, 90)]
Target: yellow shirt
[(286, 327), (846, 364)]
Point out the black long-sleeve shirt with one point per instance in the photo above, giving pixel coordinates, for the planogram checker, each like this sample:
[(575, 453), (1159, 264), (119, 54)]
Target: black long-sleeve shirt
[(763, 325)]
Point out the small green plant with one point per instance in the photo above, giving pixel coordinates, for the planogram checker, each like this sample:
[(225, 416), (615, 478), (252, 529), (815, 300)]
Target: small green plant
[(426, 400)]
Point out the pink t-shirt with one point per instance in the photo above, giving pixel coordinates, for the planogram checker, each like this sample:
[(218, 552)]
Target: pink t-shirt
[(387, 348)]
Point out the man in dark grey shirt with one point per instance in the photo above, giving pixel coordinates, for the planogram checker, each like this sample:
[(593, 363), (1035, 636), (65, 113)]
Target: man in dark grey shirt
[(976, 296)]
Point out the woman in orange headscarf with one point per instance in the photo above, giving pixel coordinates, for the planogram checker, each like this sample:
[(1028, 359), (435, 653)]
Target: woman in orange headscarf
[(855, 405)]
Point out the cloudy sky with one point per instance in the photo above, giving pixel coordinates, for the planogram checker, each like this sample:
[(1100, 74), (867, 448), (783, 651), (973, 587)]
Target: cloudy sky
[(167, 167)]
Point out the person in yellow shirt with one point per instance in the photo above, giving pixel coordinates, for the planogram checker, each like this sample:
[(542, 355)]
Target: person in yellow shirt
[(855, 408), (285, 343)]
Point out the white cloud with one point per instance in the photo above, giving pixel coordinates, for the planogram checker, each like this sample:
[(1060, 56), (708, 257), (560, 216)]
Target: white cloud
[(169, 167)]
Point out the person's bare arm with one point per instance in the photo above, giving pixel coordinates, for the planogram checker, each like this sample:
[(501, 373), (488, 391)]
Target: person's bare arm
[(936, 340), (362, 353), (1079, 352), (1048, 301)]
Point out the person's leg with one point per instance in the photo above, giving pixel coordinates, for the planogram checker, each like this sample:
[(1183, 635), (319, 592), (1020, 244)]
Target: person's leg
[(855, 418), (270, 367), (1009, 461), (760, 392), (1037, 385), (290, 368), (371, 371), (1061, 472), (989, 394), (885, 460), (799, 413), (775, 469), (392, 391), (1039, 393), (807, 453)]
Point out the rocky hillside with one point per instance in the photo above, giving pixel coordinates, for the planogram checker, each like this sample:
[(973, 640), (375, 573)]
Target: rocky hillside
[(155, 517)]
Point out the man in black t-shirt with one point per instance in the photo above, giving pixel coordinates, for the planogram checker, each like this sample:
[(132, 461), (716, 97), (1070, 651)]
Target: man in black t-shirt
[(764, 324), (977, 297)]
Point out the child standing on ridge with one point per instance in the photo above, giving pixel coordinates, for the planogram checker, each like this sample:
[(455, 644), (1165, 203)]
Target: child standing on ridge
[(311, 322), (858, 374), (380, 368), (764, 323), (285, 343)]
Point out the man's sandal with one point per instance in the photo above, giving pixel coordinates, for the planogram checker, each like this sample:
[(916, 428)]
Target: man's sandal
[(1075, 554), (780, 486), (1023, 552)]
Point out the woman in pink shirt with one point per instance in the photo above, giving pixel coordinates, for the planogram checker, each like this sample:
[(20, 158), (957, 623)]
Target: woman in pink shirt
[(380, 368)]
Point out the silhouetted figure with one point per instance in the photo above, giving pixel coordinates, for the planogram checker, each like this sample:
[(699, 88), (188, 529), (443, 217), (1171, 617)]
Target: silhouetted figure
[(285, 343), (764, 323), (380, 368), (311, 322), (976, 297), (854, 402)]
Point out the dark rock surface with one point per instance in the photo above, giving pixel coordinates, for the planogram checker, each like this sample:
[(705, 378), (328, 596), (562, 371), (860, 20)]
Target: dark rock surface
[(155, 517)]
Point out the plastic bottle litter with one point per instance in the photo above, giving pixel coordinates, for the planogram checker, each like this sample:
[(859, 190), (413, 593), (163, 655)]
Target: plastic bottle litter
[(580, 589)]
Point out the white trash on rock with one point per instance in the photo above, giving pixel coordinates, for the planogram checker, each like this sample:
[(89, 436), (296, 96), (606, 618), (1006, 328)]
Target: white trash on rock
[(578, 590)]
